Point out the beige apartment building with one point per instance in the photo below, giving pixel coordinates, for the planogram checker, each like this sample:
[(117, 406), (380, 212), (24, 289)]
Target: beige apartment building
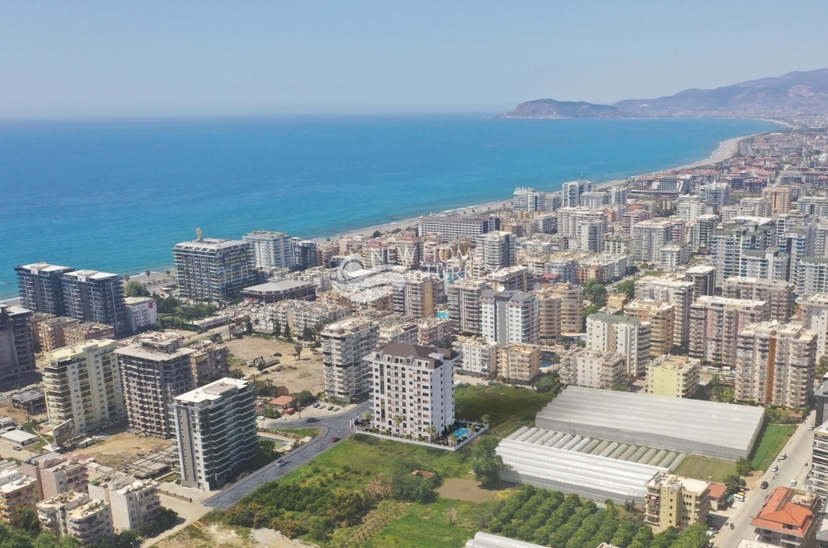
[(79, 333), (623, 335), (210, 362), (82, 383), (549, 316), (53, 511), (519, 362), (661, 316), (675, 290), (715, 323), (593, 369), (17, 491), (464, 304), (779, 198), (344, 345), (673, 376), (814, 314), (132, 501), (90, 523), (155, 370), (675, 501), (775, 364), (479, 356), (50, 331), (572, 306), (779, 294)]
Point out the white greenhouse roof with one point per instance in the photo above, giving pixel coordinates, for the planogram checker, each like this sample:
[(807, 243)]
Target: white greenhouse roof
[(487, 540), (712, 429)]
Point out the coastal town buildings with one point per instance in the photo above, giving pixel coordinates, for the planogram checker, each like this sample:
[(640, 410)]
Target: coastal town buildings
[(673, 376), (519, 362), (271, 249), (216, 432), (213, 269), (623, 335), (464, 304), (210, 361), (17, 491), (814, 312), (509, 317), (82, 384), (449, 226), (92, 296), (715, 323), (344, 345), (675, 501), (661, 317), (778, 294), (40, 287), (142, 313), (674, 290), (478, 356), (787, 518), (593, 369), (572, 306), (56, 474), (132, 501), (413, 390)]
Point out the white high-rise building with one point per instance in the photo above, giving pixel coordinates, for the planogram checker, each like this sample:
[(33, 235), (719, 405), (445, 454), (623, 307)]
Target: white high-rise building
[(479, 356), (648, 237), (589, 236), (216, 432), (271, 249), (815, 317), (132, 501), (679, 292), (413, 390), (623, 335), (510, 317), (344, 345), (83, 383), (214, 269)]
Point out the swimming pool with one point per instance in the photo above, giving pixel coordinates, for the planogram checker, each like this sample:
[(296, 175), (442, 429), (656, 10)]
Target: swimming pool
[(462, 433)]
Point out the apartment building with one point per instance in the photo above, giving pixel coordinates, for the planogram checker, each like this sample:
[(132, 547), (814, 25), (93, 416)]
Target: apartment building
[(398, 329), (17, 491), (464, 304), (344, 345), (92, 296), (661, 316), (50, 331), (210, 361), (83, 384), (814, 313), (132, 501), (715, 323), (623, 335), (40, 287), (511, 278), (478, 356), (413, 389), (519, 362), (449, 226), (717, 193), (417, 297), (674, 254), (87, 331), (788, 518), (741, 234), (509, 317), (216, 432), (305, 254), (435, 332), (674, 290), (779, 198), (675, 501), (549, 314), (17, 346), (778, 294), (56, 474), (775, 364), (271, 249), (298, 315), (213, 269), (90, 522), (811, 276), (142, 313), (154, 370), (649, 237), (593, 369), (572, 306), (673, 376), (497, 250), (703, 277), (819, 461), (53, 511)]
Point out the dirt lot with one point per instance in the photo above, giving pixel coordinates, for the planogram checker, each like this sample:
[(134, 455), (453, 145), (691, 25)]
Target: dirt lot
[(465, 489), (123, 448), (200, 535), (17, 414), (306, 374)]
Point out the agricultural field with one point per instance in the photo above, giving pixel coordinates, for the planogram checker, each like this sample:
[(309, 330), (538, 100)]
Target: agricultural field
[(770, 444)]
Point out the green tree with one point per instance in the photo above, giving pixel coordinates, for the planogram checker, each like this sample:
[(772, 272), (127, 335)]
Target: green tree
[(297, 350), (734, 484), (485, 419), (286, 331), (485, 463), (596, 292), (627, 287), (28, 521), (135, 289), (744, 466), (303, 398), (550, 382), (277, 329)]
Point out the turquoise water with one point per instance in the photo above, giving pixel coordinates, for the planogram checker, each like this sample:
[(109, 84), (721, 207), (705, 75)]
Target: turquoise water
[(462, 432), (115, 195)]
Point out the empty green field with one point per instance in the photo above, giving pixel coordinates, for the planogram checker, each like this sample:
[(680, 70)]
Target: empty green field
[(770, 444), (704, 468), (508, 407)]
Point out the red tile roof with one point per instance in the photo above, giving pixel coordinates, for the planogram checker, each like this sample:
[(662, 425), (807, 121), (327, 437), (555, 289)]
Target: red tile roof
[(779, 511)]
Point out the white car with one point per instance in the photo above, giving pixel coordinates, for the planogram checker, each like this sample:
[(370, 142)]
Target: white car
[(793, 483), (774, 468), (783, 456), (260, 418)]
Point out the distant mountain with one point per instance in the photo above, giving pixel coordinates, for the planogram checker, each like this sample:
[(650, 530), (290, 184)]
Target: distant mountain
[(550, 108), (791, 95)]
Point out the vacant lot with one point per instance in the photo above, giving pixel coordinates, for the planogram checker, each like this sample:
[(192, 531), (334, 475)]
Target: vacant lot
[(703, 468), (507, 407), (466, 489), (770, 444), (297, 375), (123, 448)]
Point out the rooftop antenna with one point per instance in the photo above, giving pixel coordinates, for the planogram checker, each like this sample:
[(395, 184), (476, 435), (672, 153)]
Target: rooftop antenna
[(198, 234)]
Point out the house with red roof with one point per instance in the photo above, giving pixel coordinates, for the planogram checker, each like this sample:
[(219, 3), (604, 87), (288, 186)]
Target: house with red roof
[(788, 518)]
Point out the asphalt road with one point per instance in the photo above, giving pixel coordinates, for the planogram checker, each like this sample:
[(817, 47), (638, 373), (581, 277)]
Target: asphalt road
[(336, 426), (798, 450)]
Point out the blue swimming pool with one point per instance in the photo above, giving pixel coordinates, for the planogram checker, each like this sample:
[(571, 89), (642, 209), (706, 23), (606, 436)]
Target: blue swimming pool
[(462, 433)]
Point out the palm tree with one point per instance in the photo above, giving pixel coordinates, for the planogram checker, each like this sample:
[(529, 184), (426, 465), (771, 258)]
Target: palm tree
[(397, 421), (431, 431), (485, 419), (366, 416), (452, 439)]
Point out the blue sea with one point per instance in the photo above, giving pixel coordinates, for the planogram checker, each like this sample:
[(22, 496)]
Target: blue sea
[(114, 195)]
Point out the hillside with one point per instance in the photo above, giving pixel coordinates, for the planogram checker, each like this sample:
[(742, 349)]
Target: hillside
[(550, 108)]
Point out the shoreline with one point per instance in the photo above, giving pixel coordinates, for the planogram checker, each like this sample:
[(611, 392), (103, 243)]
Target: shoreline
[(726, 150)]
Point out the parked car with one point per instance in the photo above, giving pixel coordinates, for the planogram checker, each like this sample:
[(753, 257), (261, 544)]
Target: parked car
[(774, 468), (260, 418), (810, 427), (793, 483), (330, 408), (334, 440), (336, 408), (311, 419), (783, 456), (764, 485), (17, 448), (281, 462)]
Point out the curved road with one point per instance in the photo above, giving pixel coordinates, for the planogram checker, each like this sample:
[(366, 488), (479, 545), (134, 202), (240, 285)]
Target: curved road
[(337, 426)]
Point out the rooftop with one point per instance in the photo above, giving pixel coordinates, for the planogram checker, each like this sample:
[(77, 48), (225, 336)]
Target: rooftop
[(208, 244), (213, 391), (276, 287), (781, 513)]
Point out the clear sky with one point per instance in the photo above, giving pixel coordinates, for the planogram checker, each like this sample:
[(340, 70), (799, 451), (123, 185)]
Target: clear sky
[(115, 58)]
